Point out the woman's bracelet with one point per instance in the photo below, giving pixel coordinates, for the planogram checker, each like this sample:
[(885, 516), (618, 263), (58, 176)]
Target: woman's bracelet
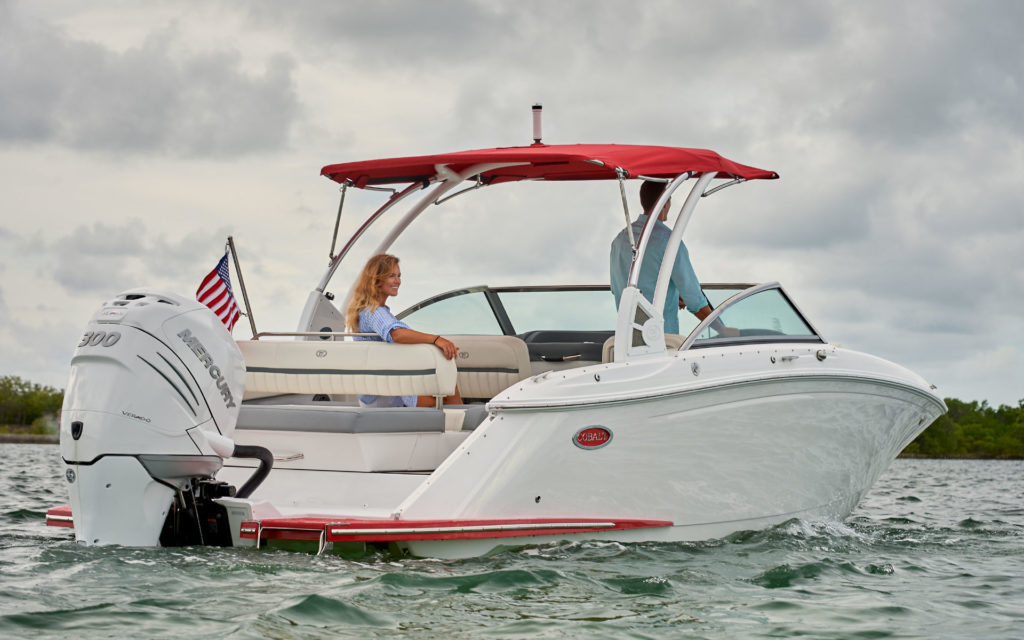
[(435, 340)]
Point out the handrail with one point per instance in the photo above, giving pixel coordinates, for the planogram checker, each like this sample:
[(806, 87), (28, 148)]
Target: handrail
[(311, 334)]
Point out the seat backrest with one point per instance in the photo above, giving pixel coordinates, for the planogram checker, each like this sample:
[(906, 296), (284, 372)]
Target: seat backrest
[(490, 364), (345, 367), (672, 342)]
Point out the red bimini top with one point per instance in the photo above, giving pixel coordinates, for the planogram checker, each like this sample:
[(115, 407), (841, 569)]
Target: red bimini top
[(548, 162)]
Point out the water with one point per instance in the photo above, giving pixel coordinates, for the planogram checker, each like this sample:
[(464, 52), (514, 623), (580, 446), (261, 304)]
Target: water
[(936, 550)]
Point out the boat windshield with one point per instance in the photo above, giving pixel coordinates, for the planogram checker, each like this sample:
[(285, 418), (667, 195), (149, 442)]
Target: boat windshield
[(466, 311), (579, 319), (762, 315), (515, 310), (521, 310), (716, 294), (559, 310)]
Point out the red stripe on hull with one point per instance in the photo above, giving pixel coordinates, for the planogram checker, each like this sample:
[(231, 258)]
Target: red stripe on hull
[(310, 528), (340, 529)]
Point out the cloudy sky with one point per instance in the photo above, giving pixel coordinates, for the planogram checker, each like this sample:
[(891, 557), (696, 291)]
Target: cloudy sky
[(134, 137)]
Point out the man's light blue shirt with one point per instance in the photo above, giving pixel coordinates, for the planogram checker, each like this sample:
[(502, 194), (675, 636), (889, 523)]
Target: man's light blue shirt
[(381, 321), (683, 284)]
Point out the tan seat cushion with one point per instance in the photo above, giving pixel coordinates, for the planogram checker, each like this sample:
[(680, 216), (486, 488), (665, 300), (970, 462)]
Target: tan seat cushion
[(340, 367), (490, 364)]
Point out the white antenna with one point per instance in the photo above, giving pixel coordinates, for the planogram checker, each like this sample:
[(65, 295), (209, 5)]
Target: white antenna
[(536, 123)]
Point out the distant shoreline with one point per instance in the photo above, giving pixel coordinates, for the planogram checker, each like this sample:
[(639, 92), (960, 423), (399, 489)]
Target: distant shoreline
[(921, 456), (28, 438)]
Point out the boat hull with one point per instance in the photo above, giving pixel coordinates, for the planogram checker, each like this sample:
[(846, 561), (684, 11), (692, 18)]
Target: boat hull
[(728, 457), (703, 463)]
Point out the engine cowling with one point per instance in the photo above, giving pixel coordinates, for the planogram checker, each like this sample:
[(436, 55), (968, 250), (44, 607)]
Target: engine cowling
[(153, 374)]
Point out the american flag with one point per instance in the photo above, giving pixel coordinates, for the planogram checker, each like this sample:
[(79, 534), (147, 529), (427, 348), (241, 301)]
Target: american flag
[(215, 292)]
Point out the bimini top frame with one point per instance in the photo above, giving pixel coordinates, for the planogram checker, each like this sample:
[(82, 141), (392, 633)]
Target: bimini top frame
[(551, 162)]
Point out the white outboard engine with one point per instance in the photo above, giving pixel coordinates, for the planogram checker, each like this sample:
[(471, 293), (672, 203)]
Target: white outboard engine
[(152, 401)]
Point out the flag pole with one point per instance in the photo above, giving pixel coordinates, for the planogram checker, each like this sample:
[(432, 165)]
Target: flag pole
[(241, 283)]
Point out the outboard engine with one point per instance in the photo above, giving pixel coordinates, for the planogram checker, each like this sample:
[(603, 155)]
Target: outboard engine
[(152, 401)]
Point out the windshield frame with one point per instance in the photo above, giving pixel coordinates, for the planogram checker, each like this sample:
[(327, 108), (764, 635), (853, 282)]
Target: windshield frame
[(504, 321), (691, 339), (743, 292)]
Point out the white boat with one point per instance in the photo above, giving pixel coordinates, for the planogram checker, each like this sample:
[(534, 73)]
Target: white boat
[(579, 424)]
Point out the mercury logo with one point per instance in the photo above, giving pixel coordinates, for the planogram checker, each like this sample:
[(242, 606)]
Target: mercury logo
[(197, 348)]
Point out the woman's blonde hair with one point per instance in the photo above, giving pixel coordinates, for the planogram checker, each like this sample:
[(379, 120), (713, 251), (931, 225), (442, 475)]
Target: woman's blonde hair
[(377, 270)]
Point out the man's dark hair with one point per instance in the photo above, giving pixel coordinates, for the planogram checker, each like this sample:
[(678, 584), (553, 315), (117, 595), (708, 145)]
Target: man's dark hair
[(649, 194)]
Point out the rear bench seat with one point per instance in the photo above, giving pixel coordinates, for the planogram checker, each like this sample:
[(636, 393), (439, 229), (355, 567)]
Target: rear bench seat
[(486, 366), (281, 413), (338, 367)]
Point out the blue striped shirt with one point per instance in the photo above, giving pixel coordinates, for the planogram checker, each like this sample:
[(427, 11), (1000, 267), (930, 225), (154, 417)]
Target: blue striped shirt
[(381, 321)]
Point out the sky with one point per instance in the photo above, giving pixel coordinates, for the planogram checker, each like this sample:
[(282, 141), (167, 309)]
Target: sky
[(135, 137)]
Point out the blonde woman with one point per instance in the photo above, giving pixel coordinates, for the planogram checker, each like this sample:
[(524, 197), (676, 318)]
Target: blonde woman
[(368, 313)]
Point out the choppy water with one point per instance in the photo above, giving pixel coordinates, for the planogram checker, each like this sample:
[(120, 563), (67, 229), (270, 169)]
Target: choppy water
[(936, 550)]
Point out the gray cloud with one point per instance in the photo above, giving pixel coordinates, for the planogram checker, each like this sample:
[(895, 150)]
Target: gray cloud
[(386, 33), (92, 258), (743, 71), (143, 100), (927, 86), (104, 258)]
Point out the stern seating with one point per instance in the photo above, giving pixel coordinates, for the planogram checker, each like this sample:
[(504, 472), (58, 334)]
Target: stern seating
[(284, 379), (289, 410)]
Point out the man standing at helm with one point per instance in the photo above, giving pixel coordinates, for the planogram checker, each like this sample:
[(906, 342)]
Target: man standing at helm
[(683, 288)]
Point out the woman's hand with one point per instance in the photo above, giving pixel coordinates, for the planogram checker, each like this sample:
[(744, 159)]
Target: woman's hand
[(447, 347)]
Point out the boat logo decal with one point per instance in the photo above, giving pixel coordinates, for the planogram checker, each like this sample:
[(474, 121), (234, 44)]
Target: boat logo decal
[(592, 437), (70, 475), (321, 353)]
